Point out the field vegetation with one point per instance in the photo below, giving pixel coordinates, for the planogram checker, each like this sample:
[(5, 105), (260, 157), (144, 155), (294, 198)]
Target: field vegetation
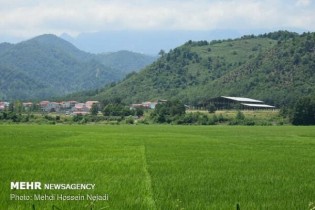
[(162, 166), (189, 117), (169, 112)]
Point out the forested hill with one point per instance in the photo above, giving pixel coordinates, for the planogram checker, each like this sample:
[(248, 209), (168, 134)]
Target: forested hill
[(276, 67), (47, 66)]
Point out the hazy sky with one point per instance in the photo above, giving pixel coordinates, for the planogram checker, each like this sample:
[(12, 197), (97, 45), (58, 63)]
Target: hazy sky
[(27, 18)]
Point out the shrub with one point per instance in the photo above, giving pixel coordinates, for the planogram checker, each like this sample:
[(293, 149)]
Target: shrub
[(240, 116), (130, 120), (77, 118)]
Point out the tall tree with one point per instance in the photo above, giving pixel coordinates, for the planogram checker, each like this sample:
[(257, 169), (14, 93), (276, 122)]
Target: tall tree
[(162, 53), (304, 112), (94, 109)]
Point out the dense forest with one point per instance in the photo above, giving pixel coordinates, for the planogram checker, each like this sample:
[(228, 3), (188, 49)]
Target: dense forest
[(276, 67), (47, 66)]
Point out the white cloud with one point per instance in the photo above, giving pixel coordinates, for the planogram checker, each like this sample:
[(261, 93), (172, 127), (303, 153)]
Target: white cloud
[(303, 2), (31, 17)]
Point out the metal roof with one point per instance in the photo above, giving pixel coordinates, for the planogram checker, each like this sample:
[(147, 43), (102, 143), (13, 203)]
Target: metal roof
[(258, 105), (241, 99)]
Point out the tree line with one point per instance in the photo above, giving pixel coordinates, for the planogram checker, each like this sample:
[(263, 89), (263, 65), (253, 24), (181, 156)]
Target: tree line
[(169, 112)]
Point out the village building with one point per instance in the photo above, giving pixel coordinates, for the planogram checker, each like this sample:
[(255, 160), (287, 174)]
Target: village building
[(89, 104), (27, 105), (80, 109), (147, 104), (4, 105), (52, 107), (65, 105), (43, 104)]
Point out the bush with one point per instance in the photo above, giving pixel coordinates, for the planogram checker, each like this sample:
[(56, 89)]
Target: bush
[(240, 120), (139, 112), (83, 120), (49, 118), (130, 120), (77, 118), (168, 112), (240, 116)]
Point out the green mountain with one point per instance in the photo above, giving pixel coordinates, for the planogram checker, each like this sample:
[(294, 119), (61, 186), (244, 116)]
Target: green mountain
[(126, 61), (47, 66), (275, 67)]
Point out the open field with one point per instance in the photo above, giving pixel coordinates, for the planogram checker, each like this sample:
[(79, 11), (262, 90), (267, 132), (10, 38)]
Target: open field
[(161, 167)]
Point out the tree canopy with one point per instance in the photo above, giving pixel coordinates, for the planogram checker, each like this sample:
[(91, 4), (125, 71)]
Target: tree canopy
[(304, 112)]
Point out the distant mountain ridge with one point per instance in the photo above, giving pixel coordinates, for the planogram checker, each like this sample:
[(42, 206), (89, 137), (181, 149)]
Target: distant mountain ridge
[(125, 60), (277, 68), (144, 41), (48, 66)]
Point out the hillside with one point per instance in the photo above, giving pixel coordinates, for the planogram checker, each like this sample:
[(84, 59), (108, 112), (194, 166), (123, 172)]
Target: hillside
[(280, 75), (275, 67), (47, 66)]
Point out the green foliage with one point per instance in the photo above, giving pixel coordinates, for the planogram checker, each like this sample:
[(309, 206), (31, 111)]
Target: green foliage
[(161, 53), (304, 112), (139, 112), (77, 118), (240, 119), (240, 116), (11, 107), (280, 35), (117, 110), (197, 43), (140, 116), (130, 120), (211, 108), (163, 167), (284, 112), (11, 116), (198, 118), (47, 66), (94, 109), (253, 66), (168, 111)]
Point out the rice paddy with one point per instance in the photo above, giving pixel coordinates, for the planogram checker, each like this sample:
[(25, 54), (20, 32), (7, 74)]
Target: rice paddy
[(159, 166)]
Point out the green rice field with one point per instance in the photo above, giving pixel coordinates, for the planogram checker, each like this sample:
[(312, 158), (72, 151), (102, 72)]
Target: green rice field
[(159, 166)]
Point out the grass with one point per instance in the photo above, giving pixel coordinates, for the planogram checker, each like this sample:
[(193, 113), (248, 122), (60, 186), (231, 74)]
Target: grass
[(237, 50), (162, 167)]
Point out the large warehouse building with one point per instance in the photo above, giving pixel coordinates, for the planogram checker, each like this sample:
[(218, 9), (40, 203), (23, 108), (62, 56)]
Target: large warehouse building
[(226, 102)]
